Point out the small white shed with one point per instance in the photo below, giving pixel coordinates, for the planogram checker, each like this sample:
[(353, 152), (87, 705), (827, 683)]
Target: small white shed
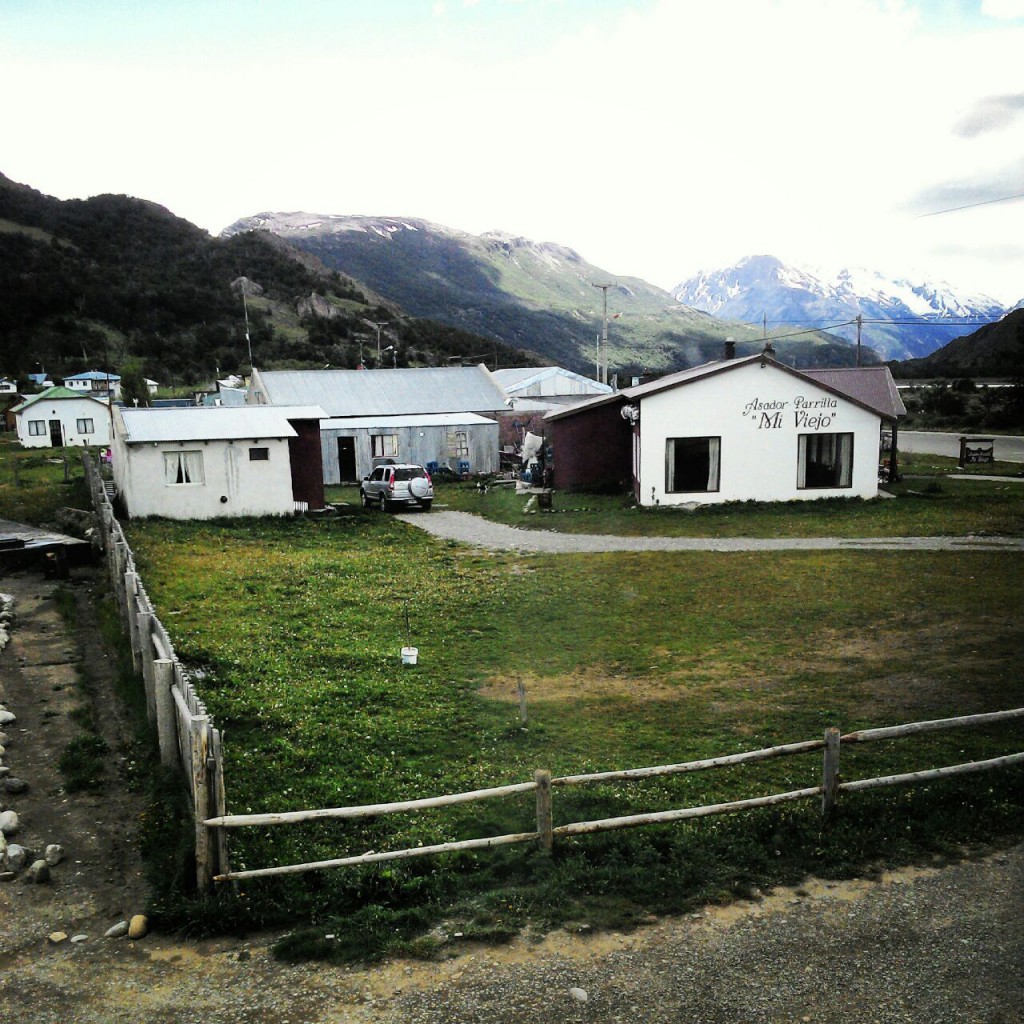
[(204, 463)]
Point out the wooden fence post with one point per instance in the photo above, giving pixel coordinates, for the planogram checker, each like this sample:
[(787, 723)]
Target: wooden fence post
[(199, 737), (166, 727), (131, 598), (543, 780), (220, 803), (144, 629), (830, 773)]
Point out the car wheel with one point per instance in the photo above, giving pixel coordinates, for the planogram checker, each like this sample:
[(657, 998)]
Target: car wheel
[(387, 505), (425, 505), (366, 499)]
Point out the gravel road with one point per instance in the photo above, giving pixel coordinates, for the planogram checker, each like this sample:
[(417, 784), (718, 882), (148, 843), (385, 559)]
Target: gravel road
[(475, 530)]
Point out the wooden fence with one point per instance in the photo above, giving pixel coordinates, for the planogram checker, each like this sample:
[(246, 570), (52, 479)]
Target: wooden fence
[(186, 734), (543, 786)]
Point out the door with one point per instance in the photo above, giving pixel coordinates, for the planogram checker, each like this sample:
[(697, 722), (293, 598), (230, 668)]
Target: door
[(56, 434), (347, 460)]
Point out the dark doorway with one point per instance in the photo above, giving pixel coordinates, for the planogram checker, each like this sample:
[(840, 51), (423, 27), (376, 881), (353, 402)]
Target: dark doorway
[(56, 434), (347, 460)]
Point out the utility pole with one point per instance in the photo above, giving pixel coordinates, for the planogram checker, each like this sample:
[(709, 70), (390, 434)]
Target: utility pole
[(245, 310), (860, 321), (602, 346), (378, 327)]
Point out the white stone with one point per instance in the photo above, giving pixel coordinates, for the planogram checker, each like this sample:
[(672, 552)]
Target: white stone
[(116, 931), (53, 854), (17, 856), (8, 822), (7, 717)]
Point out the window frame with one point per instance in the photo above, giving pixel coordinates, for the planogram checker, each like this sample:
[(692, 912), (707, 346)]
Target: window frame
[(803, 454), (714, 454), (379, 443), (85, 425), (259, 454), (184, 468), (37, 428)]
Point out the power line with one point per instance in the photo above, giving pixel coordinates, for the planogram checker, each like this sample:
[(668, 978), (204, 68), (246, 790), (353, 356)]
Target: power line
[(970, 206)]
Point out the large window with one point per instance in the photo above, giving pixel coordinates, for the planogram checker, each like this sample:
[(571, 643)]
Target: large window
[(85, 426), (824, 460), (384, 446), (183, 468), (36, 428), (692, 464)]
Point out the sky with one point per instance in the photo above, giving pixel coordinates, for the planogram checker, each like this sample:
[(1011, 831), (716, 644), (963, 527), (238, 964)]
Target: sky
[(657, 138)]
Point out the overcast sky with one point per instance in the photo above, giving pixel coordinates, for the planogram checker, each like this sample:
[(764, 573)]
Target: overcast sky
[(655, 137)]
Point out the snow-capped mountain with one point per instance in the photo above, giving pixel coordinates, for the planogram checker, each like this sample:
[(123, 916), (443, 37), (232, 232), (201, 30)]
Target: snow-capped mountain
[(902, 319)]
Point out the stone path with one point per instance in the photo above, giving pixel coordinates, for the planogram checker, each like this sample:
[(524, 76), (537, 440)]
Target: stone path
[(472, 529)]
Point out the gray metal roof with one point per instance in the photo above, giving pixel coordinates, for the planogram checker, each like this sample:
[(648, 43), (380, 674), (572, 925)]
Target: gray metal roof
[(387, 392), (872, 385), (454, 419), (219, 423)]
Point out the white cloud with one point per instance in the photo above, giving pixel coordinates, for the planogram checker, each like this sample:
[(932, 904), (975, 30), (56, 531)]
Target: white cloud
[(1008, 10)]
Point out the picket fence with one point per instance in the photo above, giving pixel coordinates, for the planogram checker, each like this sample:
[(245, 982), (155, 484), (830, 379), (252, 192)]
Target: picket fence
[(187, 736)]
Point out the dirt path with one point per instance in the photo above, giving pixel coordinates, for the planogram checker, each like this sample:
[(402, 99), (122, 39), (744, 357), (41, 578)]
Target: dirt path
[(471, 529), (941, 946)]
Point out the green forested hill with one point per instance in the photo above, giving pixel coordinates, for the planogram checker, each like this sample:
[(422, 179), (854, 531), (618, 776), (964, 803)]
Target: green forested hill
[(88, 284), (530, 294)]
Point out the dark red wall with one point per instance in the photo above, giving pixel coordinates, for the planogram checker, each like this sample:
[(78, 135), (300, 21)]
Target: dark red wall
[(307, 464), (593, 450)]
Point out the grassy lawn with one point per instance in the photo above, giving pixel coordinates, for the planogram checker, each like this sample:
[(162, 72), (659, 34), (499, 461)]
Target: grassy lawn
[(34, 483), (627, 660), (927, 503)]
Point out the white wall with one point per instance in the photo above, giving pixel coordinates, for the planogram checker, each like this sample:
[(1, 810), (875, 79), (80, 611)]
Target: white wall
[(69, 411), (251, 488), (758, 413)]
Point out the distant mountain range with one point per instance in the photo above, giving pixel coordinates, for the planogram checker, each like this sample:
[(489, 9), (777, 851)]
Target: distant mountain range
[(901, 319), (530, 295), (995, 350)]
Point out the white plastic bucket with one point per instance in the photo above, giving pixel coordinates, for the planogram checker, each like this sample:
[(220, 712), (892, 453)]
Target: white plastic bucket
[(409, 655)]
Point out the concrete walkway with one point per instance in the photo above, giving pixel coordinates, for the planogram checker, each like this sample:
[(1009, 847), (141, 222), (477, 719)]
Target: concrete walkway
[(475, 530)]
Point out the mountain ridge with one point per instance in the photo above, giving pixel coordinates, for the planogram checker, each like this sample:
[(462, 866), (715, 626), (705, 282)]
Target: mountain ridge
[(900, 318)]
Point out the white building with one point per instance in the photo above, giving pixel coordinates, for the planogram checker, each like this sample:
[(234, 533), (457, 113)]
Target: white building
[(208, 462), (748, 429), (57, 417)]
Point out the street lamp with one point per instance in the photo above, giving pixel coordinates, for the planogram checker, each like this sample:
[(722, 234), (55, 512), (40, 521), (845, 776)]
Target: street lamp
[(394, 356), (602, 345), (378, 327)]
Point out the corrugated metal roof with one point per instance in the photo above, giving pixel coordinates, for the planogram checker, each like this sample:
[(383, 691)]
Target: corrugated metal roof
[(93, 375), (54, 393), (454, 419), (387, 392), (220, 423), (872, 385)]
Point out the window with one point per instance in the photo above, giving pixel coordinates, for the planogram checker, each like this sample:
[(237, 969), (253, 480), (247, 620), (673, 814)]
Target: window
[(259, 454), (692, 464), (384, 446), (85, 426), (458, 444), (36, 428), (183, 468), (824, 460)]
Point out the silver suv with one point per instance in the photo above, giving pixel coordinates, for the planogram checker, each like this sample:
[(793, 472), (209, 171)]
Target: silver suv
[(399, 484)]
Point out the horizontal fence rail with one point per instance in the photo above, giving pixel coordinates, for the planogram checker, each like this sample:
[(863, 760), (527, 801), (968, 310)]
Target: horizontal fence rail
[(543, 784)]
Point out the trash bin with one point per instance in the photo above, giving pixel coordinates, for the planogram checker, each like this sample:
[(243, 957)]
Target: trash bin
[(463, 467)]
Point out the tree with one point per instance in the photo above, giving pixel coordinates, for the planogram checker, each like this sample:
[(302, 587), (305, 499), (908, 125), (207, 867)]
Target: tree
[(134, 390)]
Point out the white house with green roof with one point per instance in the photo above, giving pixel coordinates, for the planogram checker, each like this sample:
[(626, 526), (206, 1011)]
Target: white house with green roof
[(58, 417)]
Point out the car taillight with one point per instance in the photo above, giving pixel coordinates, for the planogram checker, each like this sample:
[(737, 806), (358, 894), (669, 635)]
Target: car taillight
[(429, 481)]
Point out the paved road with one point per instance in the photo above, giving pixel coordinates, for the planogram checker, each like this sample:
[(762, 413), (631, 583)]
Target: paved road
[(926, 442), (471, 529)]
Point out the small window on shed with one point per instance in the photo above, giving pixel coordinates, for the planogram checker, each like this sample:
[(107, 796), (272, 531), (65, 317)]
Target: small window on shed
[(259, 454), (458, 444), (384, 446)]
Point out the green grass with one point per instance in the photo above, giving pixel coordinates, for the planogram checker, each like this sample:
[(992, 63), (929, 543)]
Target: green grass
[(34, 483), (927, 504), (628, 660)]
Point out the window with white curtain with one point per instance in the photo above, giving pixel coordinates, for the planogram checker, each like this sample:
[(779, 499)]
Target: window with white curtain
[(36, 428), (824, 460), (692, 464), (183, 468), (383, 446)]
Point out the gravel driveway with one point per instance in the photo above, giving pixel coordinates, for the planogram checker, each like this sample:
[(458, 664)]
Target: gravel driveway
[(472, 529)]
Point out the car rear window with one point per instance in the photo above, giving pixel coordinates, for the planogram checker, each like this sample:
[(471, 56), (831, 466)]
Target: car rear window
[(409, 472)]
